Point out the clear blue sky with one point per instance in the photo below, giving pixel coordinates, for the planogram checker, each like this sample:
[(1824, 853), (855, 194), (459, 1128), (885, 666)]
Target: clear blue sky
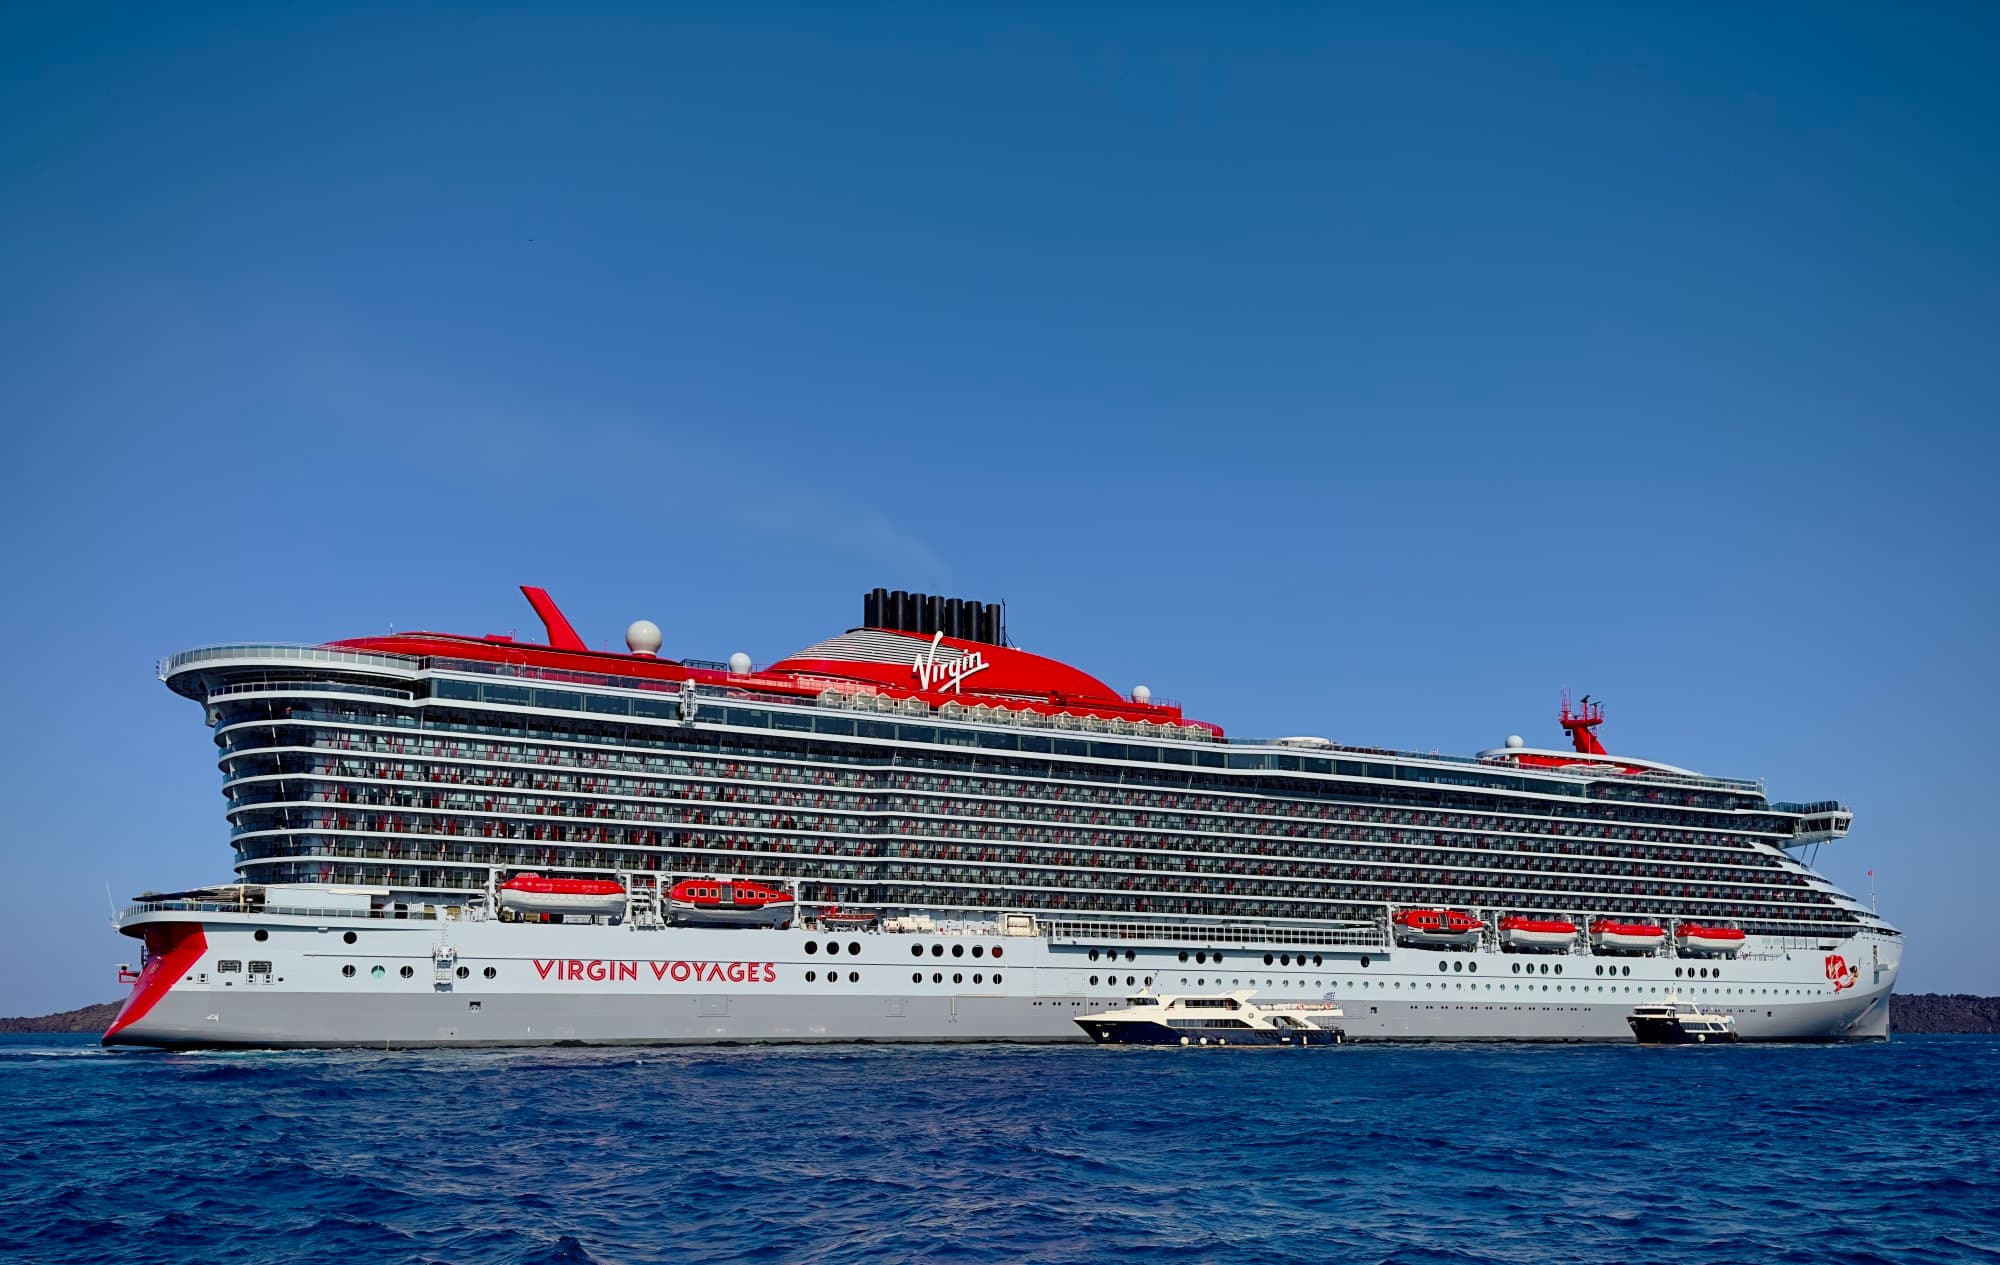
[(1367, 371)]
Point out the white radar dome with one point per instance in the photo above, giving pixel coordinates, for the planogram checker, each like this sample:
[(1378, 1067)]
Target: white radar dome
[(739, 663), (1142, 694), (643, 637), (1514, 740)]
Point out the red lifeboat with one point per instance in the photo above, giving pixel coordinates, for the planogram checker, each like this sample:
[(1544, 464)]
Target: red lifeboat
[(1613, 936), (835, 916), (730, 902), (1437, 928), (1698, 940), (534, 894), (1537, 935)]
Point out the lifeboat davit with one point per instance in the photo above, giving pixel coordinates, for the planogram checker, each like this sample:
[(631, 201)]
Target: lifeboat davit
[(726, 902), (1694, 938), (1437, 928), (533, 894), (1612, 936), (1537, 935)]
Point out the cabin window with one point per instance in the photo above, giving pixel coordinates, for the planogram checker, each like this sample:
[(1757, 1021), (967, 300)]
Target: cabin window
[(916, 977), (996, 977), (916, 950), (853, 948), (464, 972), (489, 972), (262, 935), (348, 937), (376, 972), (228, 966), (812, 946), (854, 977), (407, 972), (812, 977), (347, 972), (937, 950), (996, 953), (260, 968), (978, 950), (957, 950), (957, 978), (937, 977)]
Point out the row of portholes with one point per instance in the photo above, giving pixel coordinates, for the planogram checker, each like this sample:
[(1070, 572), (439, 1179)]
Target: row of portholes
[(1459, 964), (1130, 956), (1706, 972), (833, 947), (1130, 980), (1559, 970), (957, 951), (937, 977), (833, 977), (1285, 959), (410, 972), (1611, 970)]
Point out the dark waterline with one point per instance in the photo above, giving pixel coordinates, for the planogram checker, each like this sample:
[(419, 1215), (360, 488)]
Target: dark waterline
[(1867, 1153)]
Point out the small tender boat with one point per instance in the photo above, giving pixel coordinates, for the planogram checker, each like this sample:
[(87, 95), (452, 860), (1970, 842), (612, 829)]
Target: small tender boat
[(835, 916), (1437, 928), (729, 902), (1612, 936), (533, 894), (1220, 1019), (1675, 1022), (1699, 940), (1537, 935)]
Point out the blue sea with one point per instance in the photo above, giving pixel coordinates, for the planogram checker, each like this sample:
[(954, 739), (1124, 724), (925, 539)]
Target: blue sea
[(1870, 1153)]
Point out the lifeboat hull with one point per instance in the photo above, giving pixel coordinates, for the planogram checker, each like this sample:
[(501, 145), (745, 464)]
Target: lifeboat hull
[(769, 914), (596, 903), (1711, 945), (1420, 938), (1537, 939), (1629, 941)]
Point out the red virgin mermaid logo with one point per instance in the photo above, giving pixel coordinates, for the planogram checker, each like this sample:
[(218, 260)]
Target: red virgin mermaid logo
[(1842, 975)]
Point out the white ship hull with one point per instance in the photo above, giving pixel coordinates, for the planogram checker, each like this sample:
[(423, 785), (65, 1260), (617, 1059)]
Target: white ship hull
[(619, 984)]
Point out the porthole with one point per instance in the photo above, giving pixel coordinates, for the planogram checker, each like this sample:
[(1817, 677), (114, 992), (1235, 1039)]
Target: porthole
[(833, 977), (854, 948), (1131, 956), (1200, 957), (1559, 968), (1267, 959), (978, 950), (1718, 972), (1517, 968), (1628, 970), (376, 972), (348, 937), (407, 972), (489, 972), (1093, 981), (916, 950), (812, 946), (957, 950), (937, 977), (1600, 969), (464, 972), (937, 950), (957, 978), (1677, 972), (1093, 955), (1364, 961), (1458, 966), (854, 977), (996, 953), (1149, 980), (812, 977), (1316, 959), (262, 935), (1472, 966), (1444, 966), (1129, 981), (978, 979), (996, 975), (1284, 959), (347, 971), (916, 977), (1183, 955)]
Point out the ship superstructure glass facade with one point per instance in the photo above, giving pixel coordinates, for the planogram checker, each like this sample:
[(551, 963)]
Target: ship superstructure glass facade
[(424, 773)]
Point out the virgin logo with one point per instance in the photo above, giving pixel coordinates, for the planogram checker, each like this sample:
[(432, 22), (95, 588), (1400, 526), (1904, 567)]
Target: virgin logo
[(927, 669), (1842, 975)]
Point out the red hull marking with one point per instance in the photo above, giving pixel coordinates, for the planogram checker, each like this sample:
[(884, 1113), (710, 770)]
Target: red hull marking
[(171, 950)]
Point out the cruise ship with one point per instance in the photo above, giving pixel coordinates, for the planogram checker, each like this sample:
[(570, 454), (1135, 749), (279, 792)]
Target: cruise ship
[(918, 831)]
